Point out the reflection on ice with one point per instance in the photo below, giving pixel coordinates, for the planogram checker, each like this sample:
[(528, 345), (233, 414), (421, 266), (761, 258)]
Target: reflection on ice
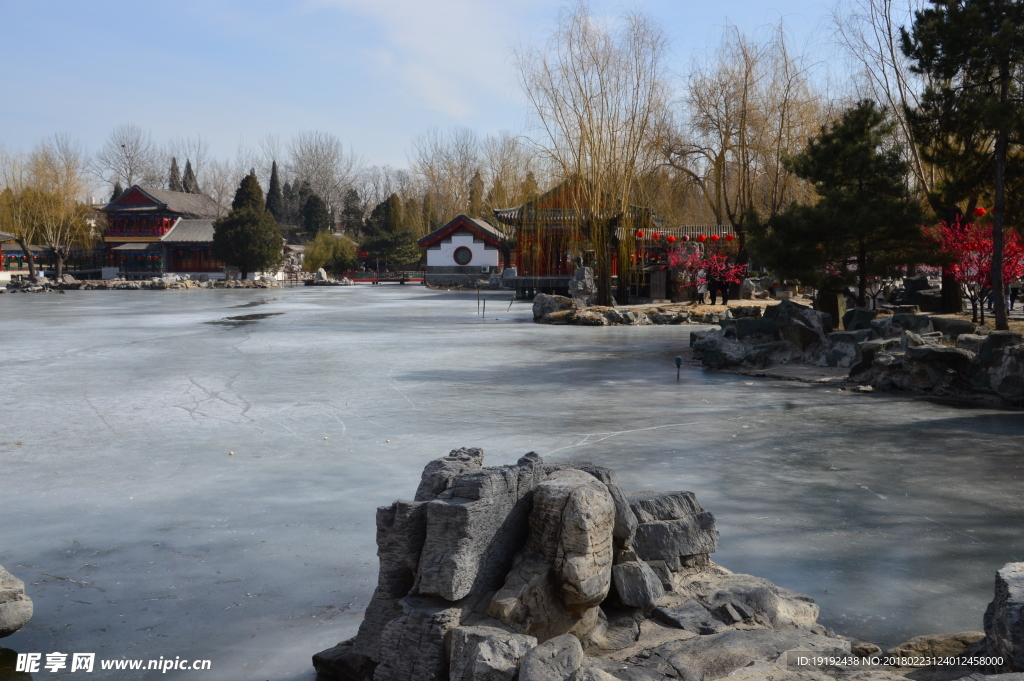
[(140, 536)]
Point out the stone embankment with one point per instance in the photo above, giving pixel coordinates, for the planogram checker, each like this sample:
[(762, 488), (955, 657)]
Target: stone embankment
[(902, 351), (549, 309), (15, 606), (165, 283), (552, 572)]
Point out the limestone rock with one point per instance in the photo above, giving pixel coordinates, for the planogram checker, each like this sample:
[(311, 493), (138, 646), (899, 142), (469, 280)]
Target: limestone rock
[(544, 305), (674, 541), (691, 616), (486, 653), (591, 674), (583, 561), (637, 585), (916, 323), (953, 327), (412, 647), (858, 318), (801, 326), (342, 663), (937, 645), (438, 474), (970, 342), (777, 607), (554, 660), (15, 606), (1004, 618), (475, 530), (583, 288)]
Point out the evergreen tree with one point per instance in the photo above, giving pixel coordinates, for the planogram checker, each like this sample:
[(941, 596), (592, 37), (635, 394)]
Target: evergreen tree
[(188, 179), (390, 243), (529, 188), (476, 196), (174, 179), (118, 190), (352, 212), (973, 52), (275, 197), (864, 216), (248, 238), (316, 217), (249, 193), (429, 213), (288, 194)]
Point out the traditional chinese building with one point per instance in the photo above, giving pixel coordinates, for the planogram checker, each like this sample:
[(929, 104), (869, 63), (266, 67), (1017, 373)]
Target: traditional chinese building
[(461, 252), (4, 274), (154, 231)]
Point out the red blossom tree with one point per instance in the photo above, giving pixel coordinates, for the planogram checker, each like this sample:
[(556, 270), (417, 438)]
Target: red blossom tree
[(969, 248), (715, 266)]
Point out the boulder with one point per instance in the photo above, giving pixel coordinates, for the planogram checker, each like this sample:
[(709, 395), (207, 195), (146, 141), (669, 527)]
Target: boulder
[(940, 355), (412, 647), (486, 653), (916, 323), (990, 350), (1007, 378), (970, 342), (672, 528), (929, 300), (438, 474), (637, 585), (858, 318), (937, 645), (321, 275), (583, 288), (589, 318), (912, 285), (953, 327), (746, 311), (1004, 618), (544, 305), (775, 352), (344, 664), (691, 616), (591, 674), (554, 660), (15, 606), (801, 326), (774, 606)]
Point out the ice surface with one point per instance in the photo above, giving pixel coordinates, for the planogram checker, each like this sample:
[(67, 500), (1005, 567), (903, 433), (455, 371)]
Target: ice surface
[(139, 536)]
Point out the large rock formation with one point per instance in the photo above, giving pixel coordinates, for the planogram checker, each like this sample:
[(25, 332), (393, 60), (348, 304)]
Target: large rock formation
[(541, 571), (15, 606), (1004, 619)]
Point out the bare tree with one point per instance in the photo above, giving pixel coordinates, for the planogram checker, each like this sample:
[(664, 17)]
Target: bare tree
[(15, 203), (322, 160), (597, 95), (221, 178), (445, 163), (56, 198), (746, 108), (129, 157)]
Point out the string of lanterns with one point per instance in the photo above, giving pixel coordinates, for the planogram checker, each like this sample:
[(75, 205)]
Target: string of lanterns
[(701, 238)]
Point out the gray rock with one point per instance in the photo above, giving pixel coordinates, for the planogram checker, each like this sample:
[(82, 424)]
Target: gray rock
[(342, 663), (1004, 618), (716, 655), (554, 660), (951, 326), (545, 305), (775, 352), (994, 342), (475, 530), (801, 326), (696, 336), (912, 285), (916, 323), (746, 311), (15, 606), (858, 318), (583, 560), (774, 606), (438, 474), (591, 674), (486, 653), (412, 647), (589, 318), (675, 541), (970, 342), (637, 584), (691, 616), (652, 506), (583, 288), (937, 645)]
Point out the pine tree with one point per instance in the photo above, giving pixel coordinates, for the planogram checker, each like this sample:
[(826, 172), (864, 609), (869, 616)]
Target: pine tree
[(118, 190), (352, 212), (248, 238), (529, 188), (390, 242), (174, 179), (188, 179), (972, 52), (864, 216), (275, 197), (476, 196), (316, 217), (249, 193)]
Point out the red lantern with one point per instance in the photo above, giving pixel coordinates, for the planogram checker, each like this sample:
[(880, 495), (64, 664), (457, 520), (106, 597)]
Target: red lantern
[(656, 236), (715, 237), (729, 237), (639, 234), (979, 211), (686, 237), (701, 238), (671, 239)]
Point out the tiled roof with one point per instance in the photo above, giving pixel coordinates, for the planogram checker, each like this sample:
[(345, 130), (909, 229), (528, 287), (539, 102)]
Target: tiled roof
[(137, 246), (190, 231), (4, 236), (484, 227), (183, 203)]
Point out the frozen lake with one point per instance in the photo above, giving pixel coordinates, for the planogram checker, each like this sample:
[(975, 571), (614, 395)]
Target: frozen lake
[(138, 536)]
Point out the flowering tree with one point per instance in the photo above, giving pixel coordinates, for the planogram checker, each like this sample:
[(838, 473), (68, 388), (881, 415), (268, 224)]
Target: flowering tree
[(715, 266), (969, 248)]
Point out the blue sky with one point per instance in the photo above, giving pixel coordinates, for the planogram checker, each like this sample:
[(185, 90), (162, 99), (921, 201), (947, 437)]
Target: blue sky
[(374, 72)]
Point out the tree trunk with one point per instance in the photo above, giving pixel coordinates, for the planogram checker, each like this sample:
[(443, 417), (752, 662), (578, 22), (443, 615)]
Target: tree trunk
[(999, 209), (952, 300), (60, 264), (28, 258), (862, 275), (604, 267)]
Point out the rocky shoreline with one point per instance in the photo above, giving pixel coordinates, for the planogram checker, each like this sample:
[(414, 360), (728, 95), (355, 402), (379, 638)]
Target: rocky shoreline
[(552, 572), (165, 283)]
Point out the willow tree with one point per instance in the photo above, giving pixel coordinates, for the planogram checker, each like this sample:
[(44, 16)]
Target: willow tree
[(61, 220), (598, 93)]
